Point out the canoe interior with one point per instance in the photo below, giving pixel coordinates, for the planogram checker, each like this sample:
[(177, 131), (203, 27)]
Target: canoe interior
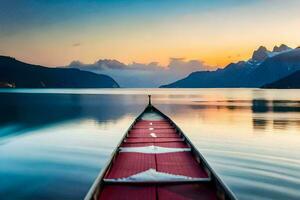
[(155, 160)]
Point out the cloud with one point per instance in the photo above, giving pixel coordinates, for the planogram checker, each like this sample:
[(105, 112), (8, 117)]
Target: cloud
[(143, 74), (182, 65), (76, 44), (142, 66)]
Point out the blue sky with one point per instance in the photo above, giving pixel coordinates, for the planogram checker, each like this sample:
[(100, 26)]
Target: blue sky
[(16, 15), (217, 31)]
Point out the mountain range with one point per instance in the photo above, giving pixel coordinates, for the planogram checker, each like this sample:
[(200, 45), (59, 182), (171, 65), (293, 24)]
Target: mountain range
[(141, 75), (264, 67), (14, 73)]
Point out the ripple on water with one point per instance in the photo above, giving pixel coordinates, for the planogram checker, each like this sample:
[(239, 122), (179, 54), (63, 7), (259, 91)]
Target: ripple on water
[(253, 176)]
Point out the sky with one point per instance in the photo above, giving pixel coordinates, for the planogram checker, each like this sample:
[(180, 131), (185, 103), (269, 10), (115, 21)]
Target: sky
[(213, 32)]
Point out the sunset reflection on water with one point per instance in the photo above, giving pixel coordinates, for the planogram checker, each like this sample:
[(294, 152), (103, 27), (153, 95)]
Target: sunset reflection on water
[(58, 140)]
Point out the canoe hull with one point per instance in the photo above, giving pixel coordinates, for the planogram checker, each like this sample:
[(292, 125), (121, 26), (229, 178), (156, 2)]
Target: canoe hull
[(189, 176)]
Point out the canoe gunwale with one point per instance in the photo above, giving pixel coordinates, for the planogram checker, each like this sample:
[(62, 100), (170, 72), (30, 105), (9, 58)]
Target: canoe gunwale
[(99, 181), (202, 161), (223, 191)]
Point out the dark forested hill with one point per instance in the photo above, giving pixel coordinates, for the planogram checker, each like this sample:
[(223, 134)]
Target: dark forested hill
[(289, 82), (14, 73)]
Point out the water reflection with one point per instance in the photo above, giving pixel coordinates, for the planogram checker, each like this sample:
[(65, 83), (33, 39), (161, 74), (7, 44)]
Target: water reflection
[(52, 146), (252, 142), (263, 112), (260, 123), (260, 106), (281, 111), (59, 142), (29, 111)]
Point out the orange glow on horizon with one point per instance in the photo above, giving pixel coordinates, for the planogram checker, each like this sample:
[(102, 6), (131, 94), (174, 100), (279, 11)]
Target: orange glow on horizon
[(216, 37)]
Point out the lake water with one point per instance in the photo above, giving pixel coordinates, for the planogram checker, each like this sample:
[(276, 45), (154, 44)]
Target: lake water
[(53, 143)]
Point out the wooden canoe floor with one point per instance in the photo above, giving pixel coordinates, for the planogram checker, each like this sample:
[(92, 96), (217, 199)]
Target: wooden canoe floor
[(177, 163)]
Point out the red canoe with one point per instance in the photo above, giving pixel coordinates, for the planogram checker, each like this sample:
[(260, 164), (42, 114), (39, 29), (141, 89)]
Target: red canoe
[(155, 160)]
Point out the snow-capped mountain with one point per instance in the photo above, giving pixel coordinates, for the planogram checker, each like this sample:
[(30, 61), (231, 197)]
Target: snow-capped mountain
[(262, 53), (264, 67)]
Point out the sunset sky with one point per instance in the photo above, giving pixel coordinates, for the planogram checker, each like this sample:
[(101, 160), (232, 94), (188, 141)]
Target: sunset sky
[(217, 32)]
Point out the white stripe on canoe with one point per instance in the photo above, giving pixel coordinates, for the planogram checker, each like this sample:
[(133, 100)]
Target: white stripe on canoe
[(153, 149), (151, 175), (180, 139), (153, 135)]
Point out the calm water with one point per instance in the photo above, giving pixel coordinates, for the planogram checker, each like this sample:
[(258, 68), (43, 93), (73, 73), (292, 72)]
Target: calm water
[(53, 143)]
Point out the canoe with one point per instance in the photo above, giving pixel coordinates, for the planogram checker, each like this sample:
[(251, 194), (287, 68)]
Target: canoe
[(155, 160)]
